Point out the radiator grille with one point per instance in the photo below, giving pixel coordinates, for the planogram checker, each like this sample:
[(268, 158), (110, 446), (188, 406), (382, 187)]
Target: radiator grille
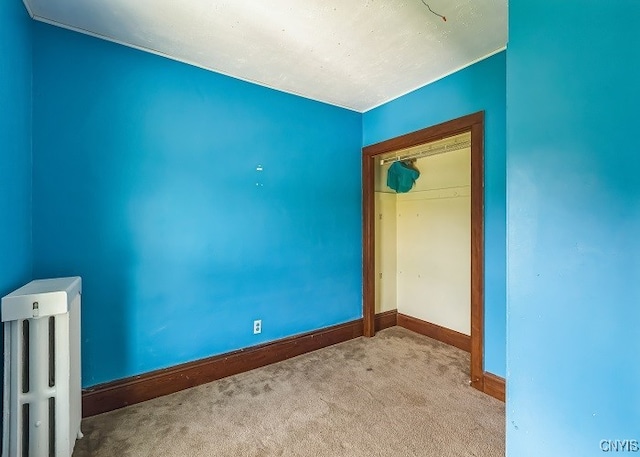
[(42, 397)]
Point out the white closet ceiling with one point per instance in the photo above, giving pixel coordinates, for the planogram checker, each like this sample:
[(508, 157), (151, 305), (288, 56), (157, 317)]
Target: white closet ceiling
[(352, 53)]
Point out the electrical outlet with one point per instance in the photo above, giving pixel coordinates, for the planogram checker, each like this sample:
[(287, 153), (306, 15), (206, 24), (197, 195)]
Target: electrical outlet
[(257, 326)]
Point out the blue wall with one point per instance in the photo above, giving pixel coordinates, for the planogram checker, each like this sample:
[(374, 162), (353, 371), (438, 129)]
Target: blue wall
[(478, 87), (15, 146), (146, 185), (574, 219)]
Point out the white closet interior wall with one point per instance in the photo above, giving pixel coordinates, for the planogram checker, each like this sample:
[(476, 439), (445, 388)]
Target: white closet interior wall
[(423, 242)]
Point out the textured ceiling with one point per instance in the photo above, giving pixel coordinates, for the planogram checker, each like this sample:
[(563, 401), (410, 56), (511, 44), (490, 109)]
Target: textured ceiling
[(352, 53)]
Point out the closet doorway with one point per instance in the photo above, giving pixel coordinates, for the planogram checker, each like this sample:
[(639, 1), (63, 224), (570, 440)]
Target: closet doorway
[(442, 139)]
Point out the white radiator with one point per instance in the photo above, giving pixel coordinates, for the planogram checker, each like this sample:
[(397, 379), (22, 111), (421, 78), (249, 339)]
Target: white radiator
[(42, 406)]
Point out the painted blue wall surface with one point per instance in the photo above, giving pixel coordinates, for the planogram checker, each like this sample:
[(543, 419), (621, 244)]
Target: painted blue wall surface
[(15, 146), (146, 184), (476, 88), (573, 223)]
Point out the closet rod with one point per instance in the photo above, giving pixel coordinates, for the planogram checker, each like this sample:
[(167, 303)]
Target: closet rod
[(429, 151)]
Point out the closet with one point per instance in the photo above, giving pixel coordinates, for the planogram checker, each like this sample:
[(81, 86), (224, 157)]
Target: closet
[(423, 236)]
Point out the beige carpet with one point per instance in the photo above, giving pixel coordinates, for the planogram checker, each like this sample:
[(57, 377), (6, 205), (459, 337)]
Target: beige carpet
[(397, 394)]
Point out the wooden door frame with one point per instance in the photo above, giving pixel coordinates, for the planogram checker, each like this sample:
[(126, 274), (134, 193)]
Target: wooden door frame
[(473, 123)]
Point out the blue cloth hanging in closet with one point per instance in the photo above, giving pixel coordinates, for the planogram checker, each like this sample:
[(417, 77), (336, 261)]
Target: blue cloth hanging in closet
[(401, 177)]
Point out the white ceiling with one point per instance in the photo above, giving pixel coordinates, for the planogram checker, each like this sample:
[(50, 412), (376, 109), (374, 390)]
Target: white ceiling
[(352, 53)]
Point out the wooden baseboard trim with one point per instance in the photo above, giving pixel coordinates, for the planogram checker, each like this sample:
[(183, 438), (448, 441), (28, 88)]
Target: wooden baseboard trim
[(494, 386), (445, 335), (120, 393), (386, 319)]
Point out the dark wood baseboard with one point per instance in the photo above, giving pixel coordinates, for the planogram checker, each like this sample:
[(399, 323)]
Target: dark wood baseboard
[(445, 335), (120, 393), (494, 386), (386, 319)]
